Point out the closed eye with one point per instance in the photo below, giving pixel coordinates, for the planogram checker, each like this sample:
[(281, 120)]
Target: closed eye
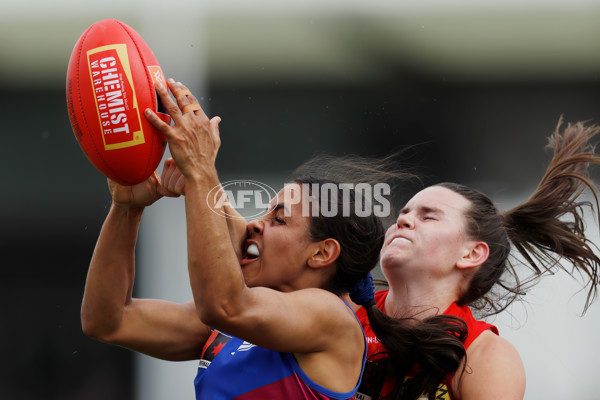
[(277, 210), (430, 213)]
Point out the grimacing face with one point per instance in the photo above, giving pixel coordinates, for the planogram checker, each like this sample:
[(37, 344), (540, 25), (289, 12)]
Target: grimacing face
[(428, 237)]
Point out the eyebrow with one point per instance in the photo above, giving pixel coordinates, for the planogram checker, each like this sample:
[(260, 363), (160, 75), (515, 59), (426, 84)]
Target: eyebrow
[(280, 206), (424, 209), (434, 210)]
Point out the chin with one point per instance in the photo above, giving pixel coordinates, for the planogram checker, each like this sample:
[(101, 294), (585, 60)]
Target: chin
[(386, 259), (388, 262)]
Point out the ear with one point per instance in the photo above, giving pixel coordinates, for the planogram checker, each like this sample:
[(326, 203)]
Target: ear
[(325, 253), (475, 255)]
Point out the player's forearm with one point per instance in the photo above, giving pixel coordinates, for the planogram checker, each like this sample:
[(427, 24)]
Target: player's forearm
[(111, 273), (214, 269), (236, 225)]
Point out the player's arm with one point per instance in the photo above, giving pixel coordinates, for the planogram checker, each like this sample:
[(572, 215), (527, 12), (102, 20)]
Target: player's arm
[(222, 298), (494, 371), (302, 321), (307, 321), (174, 181), (314, 324), (158, 328)]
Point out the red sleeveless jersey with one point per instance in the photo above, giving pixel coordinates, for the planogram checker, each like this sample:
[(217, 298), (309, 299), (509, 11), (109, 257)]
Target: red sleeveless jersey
[(475, 328)]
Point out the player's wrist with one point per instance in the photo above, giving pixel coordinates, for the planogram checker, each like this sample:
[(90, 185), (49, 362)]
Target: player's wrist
[(126, 209)]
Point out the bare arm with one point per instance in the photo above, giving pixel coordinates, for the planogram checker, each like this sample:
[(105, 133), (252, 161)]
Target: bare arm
[(173, 179), (158, 328), (279, 321), (312, 323), (221, 296), (494, 371)]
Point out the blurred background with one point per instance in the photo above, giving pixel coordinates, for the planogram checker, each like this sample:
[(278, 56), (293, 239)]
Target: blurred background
[(478, 85)]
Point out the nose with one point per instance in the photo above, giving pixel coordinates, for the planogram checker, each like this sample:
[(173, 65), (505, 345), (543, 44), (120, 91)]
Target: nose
[(405, 220), (255, 227)]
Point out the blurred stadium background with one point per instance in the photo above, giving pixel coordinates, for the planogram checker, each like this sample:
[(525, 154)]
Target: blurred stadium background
[(479, 85)]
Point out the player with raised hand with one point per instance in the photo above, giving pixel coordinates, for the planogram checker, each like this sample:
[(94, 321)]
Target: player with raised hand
[(274, 311)]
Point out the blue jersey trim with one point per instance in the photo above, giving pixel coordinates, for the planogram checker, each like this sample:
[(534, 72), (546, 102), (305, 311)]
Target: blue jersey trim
[(244, 364)]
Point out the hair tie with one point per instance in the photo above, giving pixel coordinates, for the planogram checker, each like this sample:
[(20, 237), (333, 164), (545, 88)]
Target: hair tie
[(363, 292)]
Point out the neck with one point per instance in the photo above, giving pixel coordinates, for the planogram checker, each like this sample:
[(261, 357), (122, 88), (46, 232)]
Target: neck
[(420, 302)]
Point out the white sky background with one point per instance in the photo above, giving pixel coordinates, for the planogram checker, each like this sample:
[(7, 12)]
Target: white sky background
[(559, 348)]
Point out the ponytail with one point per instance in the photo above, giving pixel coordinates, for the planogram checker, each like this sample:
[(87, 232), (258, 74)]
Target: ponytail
[(434, 346), (549, 227), (546, 230), (428, 351)]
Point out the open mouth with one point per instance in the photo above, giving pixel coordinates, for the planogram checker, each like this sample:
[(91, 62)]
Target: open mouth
[(252, 253)]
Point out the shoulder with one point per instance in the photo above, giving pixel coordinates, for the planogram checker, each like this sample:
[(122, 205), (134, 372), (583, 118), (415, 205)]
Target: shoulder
[(315, 297), (332, 313), (322, 299), (475, 327), (489, 344), (494, 370), (305, 320)]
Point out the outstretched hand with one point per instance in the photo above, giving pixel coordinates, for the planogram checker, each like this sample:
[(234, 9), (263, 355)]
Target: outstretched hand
[(193, 138)]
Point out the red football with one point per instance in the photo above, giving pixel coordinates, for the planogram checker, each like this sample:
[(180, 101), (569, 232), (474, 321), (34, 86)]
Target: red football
[(110, 82)]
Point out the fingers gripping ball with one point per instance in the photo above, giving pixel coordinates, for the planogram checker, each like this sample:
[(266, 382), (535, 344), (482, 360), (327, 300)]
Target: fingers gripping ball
[(110, 82)]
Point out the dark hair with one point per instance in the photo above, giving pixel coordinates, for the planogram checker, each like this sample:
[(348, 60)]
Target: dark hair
[(360, 237), (546, 229), (484, 222), (434, 344), (428, 351)]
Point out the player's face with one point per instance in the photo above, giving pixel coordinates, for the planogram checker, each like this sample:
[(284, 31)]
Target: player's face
[(428, 237), (278, 244)]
